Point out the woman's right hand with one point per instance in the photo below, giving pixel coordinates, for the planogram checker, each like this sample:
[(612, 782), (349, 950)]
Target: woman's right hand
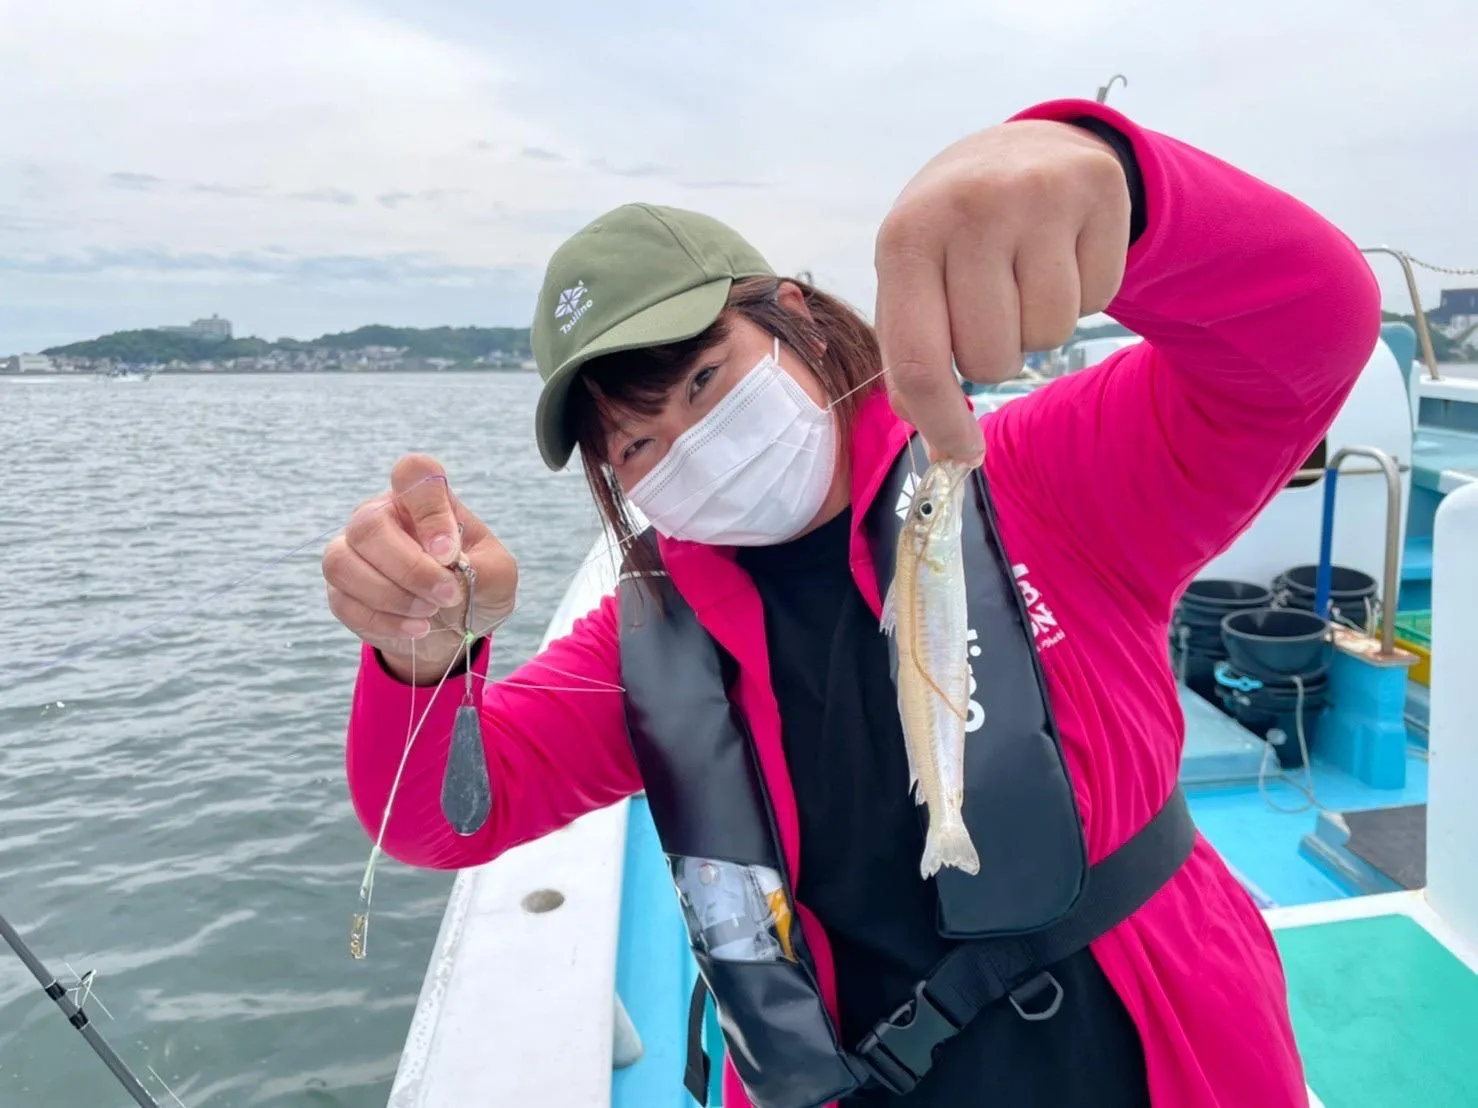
[(387, 574)]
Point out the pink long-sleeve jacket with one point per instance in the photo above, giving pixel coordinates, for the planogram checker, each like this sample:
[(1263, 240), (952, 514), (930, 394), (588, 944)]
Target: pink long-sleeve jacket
[(1113, 486)]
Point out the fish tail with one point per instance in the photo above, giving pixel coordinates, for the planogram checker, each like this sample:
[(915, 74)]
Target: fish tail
[(948, 844)]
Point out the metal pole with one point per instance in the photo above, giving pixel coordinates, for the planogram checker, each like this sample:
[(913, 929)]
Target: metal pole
[(1393, 540), (1317, 472), (77, 1017), (1103, 90), (1416, 306), (1326, 545)]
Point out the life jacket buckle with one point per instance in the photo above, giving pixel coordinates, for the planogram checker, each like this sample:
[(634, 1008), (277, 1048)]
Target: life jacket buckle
[(899, 1051), (1023, 998)]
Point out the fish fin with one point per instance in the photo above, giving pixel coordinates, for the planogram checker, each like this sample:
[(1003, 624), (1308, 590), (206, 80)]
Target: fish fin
[(913, 776), (948, 844), (889, 622)]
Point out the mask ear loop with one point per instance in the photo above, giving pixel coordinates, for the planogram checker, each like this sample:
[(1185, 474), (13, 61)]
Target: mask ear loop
[(912, 461)]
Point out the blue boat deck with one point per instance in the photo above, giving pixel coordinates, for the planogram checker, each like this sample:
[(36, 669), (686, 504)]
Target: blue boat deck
[(1263, 844), (654, 973)]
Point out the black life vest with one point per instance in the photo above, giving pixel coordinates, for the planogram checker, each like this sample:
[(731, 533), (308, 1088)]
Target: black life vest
[(1034, 902)]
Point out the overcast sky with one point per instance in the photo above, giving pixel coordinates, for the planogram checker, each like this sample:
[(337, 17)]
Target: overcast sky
[(303, 166)]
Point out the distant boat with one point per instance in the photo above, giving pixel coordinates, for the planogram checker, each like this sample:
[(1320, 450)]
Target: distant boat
[(129, 373)]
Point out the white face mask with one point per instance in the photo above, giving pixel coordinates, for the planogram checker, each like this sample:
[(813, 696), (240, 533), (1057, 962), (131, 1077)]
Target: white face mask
[(751, 472)]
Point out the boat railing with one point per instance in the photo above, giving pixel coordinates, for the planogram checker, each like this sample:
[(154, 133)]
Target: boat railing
[(1422, 331), (1387, 465), (1314, 473), (1103, 90)]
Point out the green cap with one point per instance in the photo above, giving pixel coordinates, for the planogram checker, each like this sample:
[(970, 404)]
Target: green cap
[(641, 275)]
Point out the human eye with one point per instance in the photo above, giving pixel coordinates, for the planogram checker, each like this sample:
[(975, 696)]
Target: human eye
[(631, 449), (700, 379)]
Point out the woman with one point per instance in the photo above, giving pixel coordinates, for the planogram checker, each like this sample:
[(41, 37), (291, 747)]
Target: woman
[(742, 414)]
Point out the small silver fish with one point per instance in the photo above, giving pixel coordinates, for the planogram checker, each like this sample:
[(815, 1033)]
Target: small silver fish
[(926, 613)]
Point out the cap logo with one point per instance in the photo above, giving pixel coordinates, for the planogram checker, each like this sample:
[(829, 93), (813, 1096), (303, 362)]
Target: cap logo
[(573, 302)]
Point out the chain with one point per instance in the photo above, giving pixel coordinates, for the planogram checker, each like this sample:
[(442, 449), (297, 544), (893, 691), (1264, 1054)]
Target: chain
[(1450, 270)]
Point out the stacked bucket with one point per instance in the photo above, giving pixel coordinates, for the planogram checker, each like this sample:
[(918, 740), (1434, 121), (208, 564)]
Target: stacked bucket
[(1351, 593), (1196, 644), (1259, 653)]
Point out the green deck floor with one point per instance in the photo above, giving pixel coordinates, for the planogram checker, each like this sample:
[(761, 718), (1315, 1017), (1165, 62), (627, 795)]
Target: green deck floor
[(1384, 1013)]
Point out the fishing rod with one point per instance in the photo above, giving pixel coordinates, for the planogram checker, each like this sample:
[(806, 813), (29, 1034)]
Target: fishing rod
[(76, 1016)]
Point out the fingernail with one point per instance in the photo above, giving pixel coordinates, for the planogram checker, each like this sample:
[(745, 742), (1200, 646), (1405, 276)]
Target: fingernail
[(415, 628), (441, 546), (446, 593)]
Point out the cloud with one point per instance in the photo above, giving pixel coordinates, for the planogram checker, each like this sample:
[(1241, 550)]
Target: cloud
[(396, 198), (402, 269), (139, 182), (436, 141), (13, 221), (231, 191), (342, 197), (728, 183), (645, 169)]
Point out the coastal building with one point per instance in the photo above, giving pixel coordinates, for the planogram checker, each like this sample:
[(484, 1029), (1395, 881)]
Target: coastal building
[(1458, 311), (214, 329), (29, 363)]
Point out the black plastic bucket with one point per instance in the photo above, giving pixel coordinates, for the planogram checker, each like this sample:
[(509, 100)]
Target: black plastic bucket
[(1277, 642), (1278, 728), (1270, 709), (1196, 643), (1349, 590), (1198, 670), (1219, 595)]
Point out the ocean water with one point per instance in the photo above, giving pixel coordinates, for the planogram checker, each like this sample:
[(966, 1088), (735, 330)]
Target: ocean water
[(173, 813)]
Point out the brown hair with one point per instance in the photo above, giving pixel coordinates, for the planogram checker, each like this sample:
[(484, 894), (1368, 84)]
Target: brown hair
[(836, 343)]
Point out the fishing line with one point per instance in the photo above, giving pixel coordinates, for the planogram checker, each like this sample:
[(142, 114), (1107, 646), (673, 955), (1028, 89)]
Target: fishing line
[(71, 651), (77, 1017), (359, 927), (86, 647), (84, 989), (719, 478)]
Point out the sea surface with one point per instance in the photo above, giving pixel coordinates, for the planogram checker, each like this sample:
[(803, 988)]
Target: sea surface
[(173, 812)]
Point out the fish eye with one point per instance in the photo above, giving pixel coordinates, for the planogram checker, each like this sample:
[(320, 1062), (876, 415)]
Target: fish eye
[(926, 509)]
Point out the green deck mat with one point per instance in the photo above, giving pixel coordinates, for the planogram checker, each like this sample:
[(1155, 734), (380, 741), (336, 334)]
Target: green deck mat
[(1415, 627), (1384, 1013)]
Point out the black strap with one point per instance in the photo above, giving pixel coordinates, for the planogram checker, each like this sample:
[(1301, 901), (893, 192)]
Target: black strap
[(695, 1074), (899, 1051)]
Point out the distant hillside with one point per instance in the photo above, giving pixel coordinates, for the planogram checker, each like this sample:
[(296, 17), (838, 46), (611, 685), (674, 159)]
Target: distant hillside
[(461, 343), (458, 343), (160, 346)]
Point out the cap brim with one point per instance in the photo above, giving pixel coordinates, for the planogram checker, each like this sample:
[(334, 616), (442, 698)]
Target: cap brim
[(674, 319)]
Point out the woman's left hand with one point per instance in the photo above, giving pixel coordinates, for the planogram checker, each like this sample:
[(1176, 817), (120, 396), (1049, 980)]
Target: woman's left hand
[(997, 247)]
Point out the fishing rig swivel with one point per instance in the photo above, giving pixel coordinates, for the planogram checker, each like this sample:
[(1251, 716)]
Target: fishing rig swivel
[(75, 1014)]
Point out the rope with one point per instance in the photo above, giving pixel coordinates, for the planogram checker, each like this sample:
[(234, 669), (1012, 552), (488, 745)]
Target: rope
[(1311, 801)]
